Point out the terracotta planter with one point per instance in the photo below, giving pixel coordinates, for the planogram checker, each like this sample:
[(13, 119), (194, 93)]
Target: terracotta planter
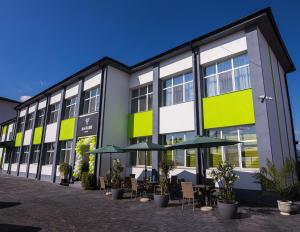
[(227, 210), (285, 207)]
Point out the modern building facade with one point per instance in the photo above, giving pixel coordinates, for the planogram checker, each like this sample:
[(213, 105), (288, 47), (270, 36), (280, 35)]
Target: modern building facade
[(229, 83)]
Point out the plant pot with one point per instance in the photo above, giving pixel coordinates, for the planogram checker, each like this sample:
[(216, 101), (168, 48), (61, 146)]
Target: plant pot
[(227, 210), (285, 207), (64, 182), (117, 193), (161, 200)]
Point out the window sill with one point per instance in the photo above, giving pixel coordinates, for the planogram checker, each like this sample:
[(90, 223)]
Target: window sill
[(83, 115)]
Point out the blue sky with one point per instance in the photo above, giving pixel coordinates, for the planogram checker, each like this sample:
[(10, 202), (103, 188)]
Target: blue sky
[(43, 42)]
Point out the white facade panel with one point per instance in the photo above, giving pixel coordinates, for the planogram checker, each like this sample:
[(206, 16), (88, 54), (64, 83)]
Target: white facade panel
[(23, 112), (71, 91), (23, 167), (9, 130), (92, 81), (5, 166), (42, 104), (177, 118), (31, 109), (46, 170), (50, 135), (141, 78), (222, 48), (176, 65), (14, 167), (27, 137), (55, 98), (33, 168)]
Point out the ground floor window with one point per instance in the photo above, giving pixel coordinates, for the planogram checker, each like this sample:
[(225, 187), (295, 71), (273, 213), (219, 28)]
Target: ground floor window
[(25, 155), (140, 157), (65, 151), (16, 155), (50, 147), (35, 154), (243, 155), (181, 158)]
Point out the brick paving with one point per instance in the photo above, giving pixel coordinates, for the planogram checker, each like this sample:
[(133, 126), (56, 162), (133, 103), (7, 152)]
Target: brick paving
[(29, 205)]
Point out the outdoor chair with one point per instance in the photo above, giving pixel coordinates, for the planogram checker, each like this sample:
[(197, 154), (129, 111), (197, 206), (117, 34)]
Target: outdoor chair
[(135, 188), (188, 193)]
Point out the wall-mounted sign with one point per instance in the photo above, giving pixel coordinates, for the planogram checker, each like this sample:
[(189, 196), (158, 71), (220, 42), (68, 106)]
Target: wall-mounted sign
[(87, 125)]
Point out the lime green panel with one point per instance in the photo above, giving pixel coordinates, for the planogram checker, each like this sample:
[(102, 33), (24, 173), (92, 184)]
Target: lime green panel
[(67, 129), (140, 124), (230, 109), (37, 137), (18, 139), (4, 130)]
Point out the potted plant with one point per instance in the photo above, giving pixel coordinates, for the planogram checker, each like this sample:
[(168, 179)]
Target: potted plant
[(280, 182), (162, 199), (87, 181), (116, 171), (64, 170), (224, 174)]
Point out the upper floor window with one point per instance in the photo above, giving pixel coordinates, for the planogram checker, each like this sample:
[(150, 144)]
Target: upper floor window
[(70, 107), (40, 117), (30, 119), (54, 112), (91, 101), (227, 76), (178, 89), (141, 99), (21, 124)]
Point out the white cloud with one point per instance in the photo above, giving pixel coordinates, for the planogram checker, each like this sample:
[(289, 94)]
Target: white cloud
[(24, 98)]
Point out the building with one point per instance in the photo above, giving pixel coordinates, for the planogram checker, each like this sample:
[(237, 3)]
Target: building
[(7, 109), (229, 83)]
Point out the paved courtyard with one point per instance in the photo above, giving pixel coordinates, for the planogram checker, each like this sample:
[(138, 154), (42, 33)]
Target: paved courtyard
[(29, 205)]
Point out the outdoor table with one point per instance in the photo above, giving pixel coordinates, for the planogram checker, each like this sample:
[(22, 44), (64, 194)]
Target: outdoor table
[(201, 187)]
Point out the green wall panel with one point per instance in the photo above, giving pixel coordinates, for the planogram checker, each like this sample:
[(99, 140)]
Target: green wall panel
[(37, 136), (18, 139), (140, 124), (230, 109), (4, 130), (67, 129)]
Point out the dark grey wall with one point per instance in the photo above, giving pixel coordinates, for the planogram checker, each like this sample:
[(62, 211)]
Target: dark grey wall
[(7, 110)]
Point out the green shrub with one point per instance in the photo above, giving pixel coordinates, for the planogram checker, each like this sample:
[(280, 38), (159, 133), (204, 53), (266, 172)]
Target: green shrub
[(116, 173), (64, 169), (87, 181), (165, 166)]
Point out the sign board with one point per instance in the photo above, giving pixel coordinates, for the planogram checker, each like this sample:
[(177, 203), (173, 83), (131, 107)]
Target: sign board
[(87, 125)]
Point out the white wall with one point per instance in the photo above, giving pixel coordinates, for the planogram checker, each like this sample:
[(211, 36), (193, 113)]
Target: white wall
[(176, 65), (141, 78), (9, 130), (92, 80), (42, 104), (72, 90), (33, 168), (176, 118), (46, 170), (23, 167), (56, 97), (5, 166), (14, 167), (222, 48), (27, 137), (50, 135), (31, 109), (22, 113)]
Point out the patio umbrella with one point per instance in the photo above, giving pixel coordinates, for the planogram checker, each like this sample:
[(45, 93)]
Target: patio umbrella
[(107, 149), (145, 146), (202, 142)]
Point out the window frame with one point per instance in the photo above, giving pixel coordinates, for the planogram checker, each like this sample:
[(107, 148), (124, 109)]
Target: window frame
[(68, 107), (89, 99), (64, 148), (21, 124), (40, 117), (148, 95), (36, 149), (53, 112), (25, 154), (48, 156), (30, 121)]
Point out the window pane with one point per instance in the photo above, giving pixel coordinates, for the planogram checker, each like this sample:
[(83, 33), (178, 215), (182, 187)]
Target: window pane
[(230, 133), (250, 155), (179, 157), (215, 133), (225, 82), (242, 78), (167, 83), (143, 105), (150, 102), (178, 80), (225, 65), (178, 94), (86, 105), (177, 138), (92, 105), (191, 158), (167, 97), (134, 105), (215, 156), (211, 86), (93, 93), (97, 103), (247, 133), (143, 90), (150, 89), (189, 92), (231, 155), (188, 77), (135, 92), (240, 60), (210, 70)]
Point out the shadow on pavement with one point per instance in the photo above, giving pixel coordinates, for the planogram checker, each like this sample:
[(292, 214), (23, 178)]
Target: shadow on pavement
[(17, 228), (4, 205)]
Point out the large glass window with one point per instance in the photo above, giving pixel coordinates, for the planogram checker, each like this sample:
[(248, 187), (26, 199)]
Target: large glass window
[(91, 101), (40, 117), (16, 155), (70, 107), (35, 154), (25, 155), (49, 153), (181, 158), (21, 123), (66, 151), (29, 123), (54, 112), (243, 155), (227, 76), (140, 157), (141, 99), (178, 89)]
